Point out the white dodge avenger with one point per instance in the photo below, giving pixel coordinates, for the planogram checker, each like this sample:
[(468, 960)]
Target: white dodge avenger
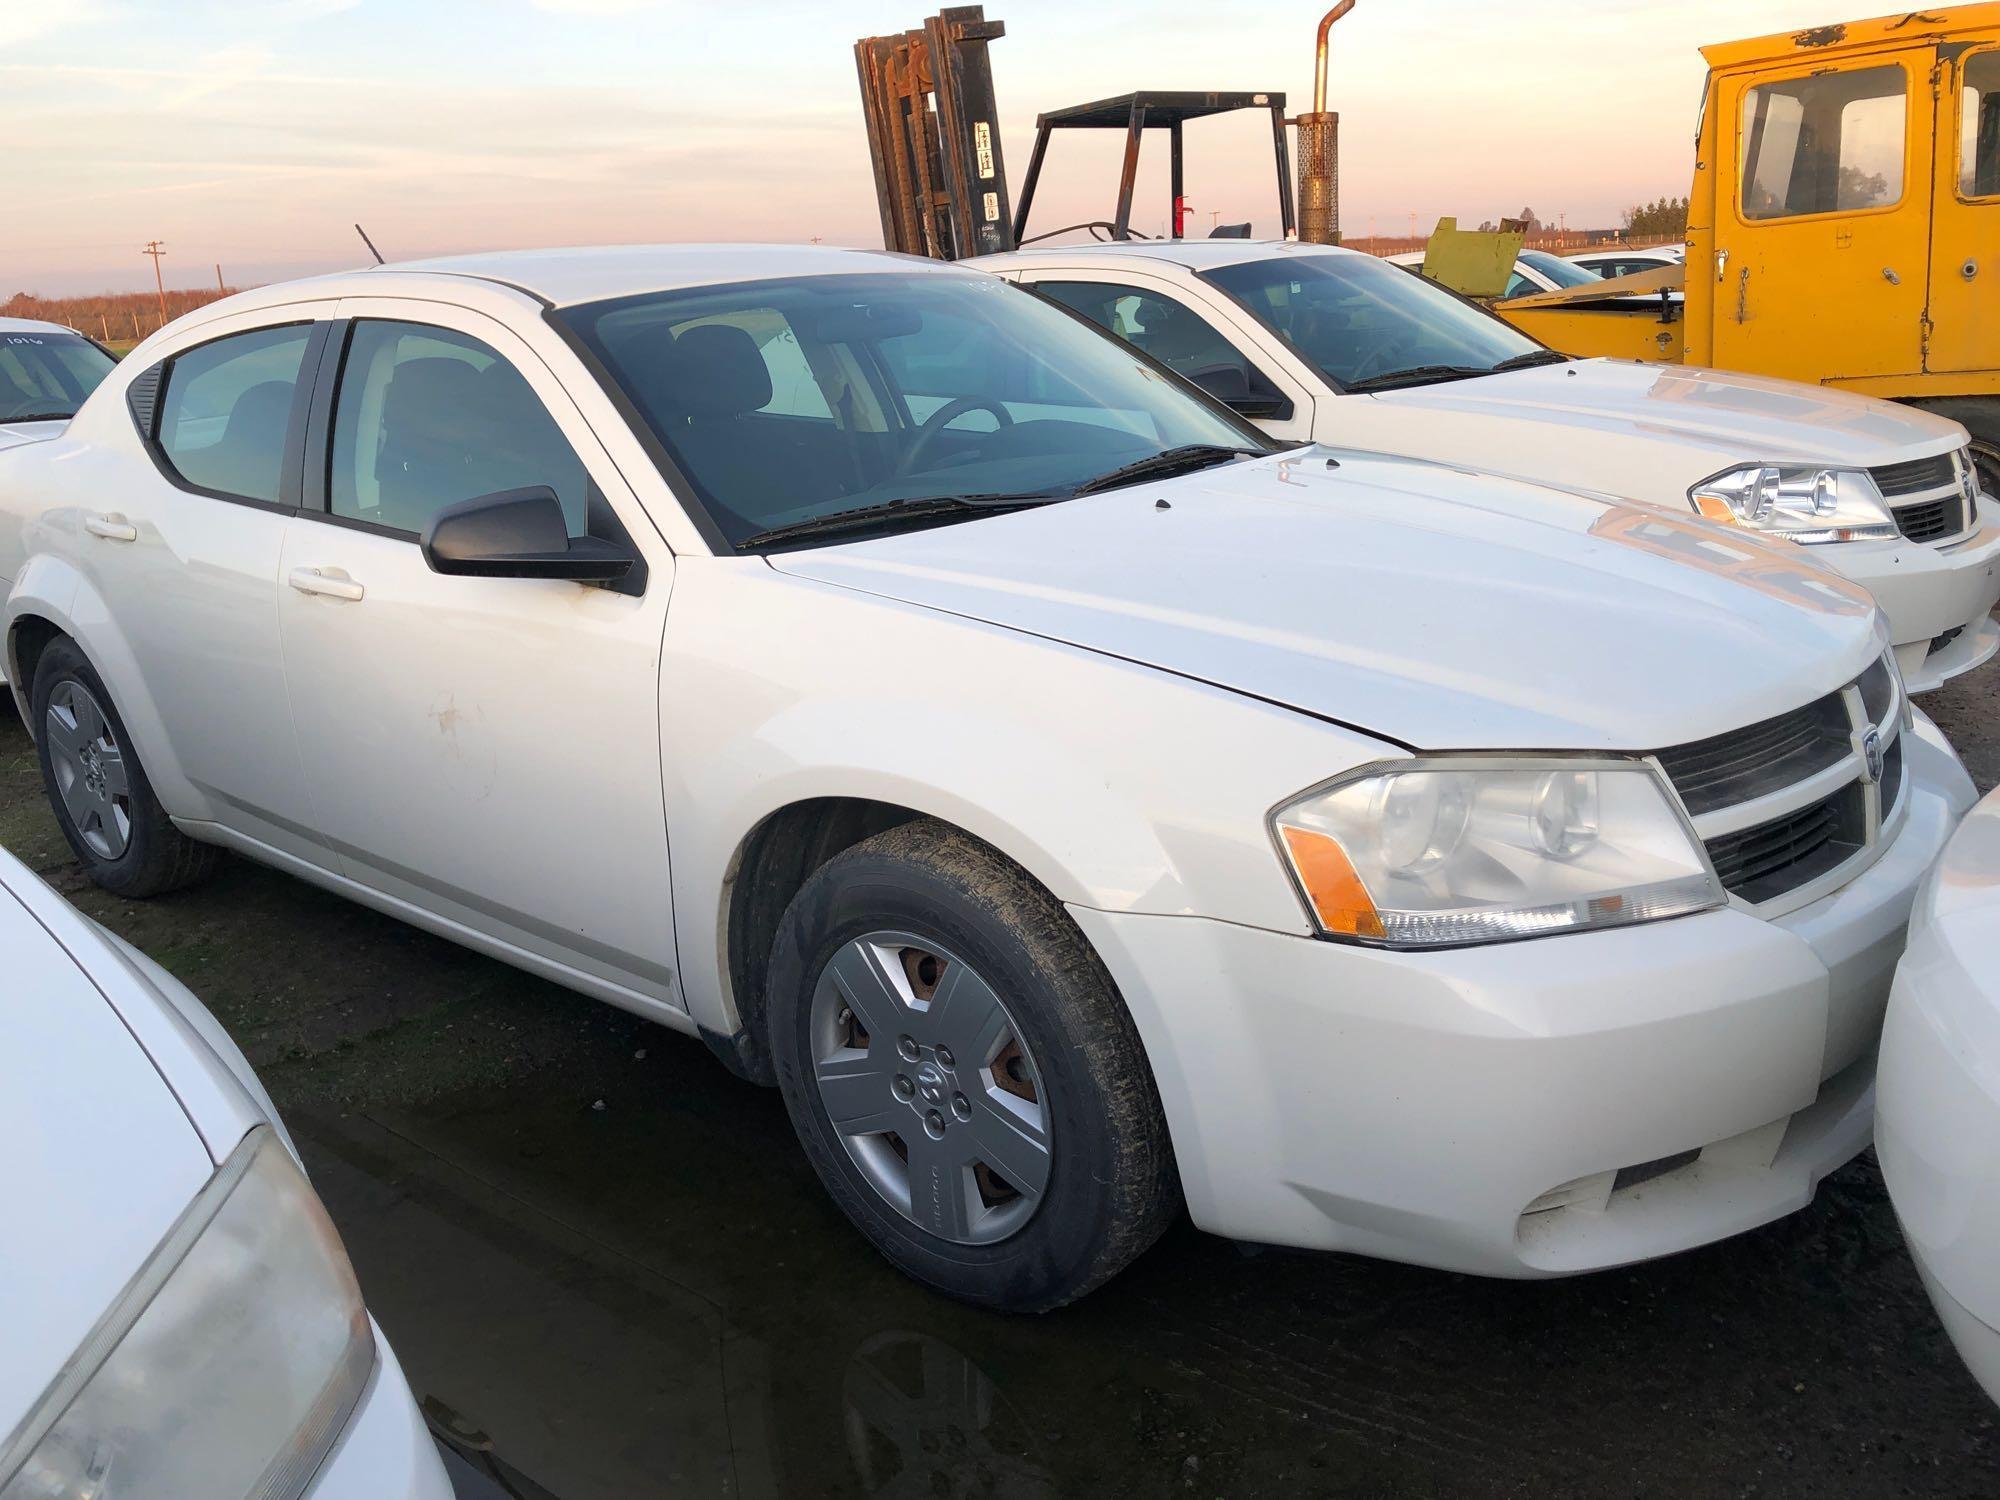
[(1073, 805)]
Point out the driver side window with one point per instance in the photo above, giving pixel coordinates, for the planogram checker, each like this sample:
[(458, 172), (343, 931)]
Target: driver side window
[(1174, 334), (427, 417)]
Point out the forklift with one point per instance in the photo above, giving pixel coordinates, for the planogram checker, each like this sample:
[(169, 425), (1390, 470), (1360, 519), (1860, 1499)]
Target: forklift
[(941, 180)]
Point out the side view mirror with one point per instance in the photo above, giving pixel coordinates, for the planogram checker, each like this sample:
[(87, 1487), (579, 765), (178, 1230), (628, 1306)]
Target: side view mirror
[(518, 534)]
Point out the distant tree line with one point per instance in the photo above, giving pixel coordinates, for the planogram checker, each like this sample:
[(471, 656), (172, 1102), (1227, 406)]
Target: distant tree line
[(1663, 216)]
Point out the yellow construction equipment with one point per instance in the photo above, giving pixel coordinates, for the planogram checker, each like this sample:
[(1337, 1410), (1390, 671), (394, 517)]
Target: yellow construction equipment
[(1844, 225)]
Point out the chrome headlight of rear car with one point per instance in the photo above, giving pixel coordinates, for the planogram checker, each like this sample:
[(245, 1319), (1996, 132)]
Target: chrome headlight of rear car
[(1799, 502), (228, 1366), (1454, 850)]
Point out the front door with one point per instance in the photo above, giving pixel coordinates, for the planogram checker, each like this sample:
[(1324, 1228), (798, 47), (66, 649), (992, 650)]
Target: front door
[(1821, 256), (486, 750), (1965, 239)]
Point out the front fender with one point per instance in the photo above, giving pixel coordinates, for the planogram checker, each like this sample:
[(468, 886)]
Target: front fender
[(52, 588), (1116, 786)]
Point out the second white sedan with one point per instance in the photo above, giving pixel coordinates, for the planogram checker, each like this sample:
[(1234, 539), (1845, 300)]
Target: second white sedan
[(1317, 343)]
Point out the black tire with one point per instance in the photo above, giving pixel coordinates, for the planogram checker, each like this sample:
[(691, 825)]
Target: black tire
[(1980, 416), (1112, 1187), (157, 856)]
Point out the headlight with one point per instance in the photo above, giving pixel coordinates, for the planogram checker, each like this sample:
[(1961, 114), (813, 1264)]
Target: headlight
[(229, 1365), (1797, 502), (1432, 853)]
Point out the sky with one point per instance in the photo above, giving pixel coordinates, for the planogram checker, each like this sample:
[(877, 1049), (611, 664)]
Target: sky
[(254, 135)]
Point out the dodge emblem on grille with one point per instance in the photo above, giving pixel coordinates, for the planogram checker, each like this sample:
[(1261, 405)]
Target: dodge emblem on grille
[(1871, 752)]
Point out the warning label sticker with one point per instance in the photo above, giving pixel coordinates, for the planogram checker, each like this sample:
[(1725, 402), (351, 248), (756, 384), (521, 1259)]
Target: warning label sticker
[(982, 146)]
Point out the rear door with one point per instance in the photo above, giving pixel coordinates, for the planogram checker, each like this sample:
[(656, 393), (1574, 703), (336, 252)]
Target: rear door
[(1965, 238), (484, 749), (184, 552), (1821, 246)]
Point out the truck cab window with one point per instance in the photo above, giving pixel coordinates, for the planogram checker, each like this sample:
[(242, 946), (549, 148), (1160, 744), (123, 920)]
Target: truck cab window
[(1831, 143)]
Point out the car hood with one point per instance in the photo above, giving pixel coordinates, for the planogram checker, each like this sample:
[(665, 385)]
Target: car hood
[(1717, 417), (1438, 607), (1965, 886), (18, 434), (101, 1158)]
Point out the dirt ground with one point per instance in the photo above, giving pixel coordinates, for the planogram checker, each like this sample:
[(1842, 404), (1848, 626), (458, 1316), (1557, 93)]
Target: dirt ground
[(587, 1241)]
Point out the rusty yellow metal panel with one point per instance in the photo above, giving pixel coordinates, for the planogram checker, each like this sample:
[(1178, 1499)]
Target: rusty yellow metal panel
[(1600, 331), (1471, 262), (1919, 27)]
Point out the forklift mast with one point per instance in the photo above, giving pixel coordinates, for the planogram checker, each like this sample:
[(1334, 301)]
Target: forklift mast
[(934, 136)]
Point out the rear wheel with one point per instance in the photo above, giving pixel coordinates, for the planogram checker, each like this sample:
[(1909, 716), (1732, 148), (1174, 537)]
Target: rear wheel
[(99, 791), (963, 1075)]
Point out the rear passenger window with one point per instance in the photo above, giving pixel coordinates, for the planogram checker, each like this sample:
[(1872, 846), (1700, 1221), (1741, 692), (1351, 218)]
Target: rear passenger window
[(427, 417), (1176, 335), (227, 408)]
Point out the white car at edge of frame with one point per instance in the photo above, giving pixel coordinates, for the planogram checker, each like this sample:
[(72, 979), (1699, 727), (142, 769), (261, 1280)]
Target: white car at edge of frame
[(1322, 344), (1074, 804), (181, 1318), (1938, 1117)]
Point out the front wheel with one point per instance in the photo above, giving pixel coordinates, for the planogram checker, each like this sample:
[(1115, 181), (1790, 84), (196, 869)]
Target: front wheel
[(963, 1075)]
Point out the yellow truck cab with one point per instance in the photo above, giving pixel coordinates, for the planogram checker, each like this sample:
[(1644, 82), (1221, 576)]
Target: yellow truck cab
[(1844, 223)]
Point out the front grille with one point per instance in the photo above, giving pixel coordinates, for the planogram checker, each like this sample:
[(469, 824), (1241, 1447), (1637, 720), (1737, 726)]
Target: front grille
[(1931, 520), (1916, 475), (1646, 1171), (1749, 763), (1878, 691), (1939, 642), (1892, 775), (1787, 852)]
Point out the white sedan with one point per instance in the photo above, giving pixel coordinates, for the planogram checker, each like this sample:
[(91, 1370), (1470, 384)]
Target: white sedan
[(1318, 343), (1938, 1125), (1627, 261), (1072, 804), (181, 1318)]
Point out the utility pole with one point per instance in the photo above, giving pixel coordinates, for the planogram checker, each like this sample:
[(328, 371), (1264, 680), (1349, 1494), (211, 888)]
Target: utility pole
[(156, 249), (218, 280)]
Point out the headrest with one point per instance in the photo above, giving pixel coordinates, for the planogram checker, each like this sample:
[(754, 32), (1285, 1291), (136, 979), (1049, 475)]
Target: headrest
[(720, 371), (432, 396)]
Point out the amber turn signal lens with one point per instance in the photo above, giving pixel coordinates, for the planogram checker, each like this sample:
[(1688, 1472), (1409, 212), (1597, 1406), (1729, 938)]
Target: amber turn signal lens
[(1339, 899)]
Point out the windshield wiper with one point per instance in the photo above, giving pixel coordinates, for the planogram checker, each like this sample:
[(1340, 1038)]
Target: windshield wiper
[(1182, 460), (1418, 375), (38, 416), (1529, 360), (892, 513)]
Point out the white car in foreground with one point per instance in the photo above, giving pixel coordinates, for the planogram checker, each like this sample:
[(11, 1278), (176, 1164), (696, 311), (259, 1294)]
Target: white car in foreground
[(1070, 803), (181, 1318), (1938, 1122), (1331, 345)]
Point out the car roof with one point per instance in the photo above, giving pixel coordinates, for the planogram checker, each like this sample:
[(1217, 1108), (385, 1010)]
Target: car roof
[(32, 325), (565, 277), (1195, 255)]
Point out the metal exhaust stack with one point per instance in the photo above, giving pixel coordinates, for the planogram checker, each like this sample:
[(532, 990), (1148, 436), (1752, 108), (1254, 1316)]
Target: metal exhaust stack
[(1319, 151)]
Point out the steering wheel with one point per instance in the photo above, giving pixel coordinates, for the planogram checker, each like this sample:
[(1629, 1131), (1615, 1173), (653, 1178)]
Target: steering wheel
[(1394, 355), (935, 424)]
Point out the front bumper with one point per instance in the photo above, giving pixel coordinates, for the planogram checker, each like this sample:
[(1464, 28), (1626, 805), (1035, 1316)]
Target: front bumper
[(1414, 1106), (386, 1451), (1928, 593)]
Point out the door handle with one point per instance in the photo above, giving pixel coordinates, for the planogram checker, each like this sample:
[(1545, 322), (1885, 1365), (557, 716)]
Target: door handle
[(331, 582), (113, 528), (1721, 263)]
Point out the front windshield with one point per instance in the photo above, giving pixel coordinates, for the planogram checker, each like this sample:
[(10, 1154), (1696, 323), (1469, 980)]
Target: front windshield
[(1358, 319), (1562, 272), (45, 374), (789, 401)]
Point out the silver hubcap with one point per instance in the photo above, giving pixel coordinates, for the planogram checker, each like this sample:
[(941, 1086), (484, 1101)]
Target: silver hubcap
[(931, 1087), (89, 770)]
